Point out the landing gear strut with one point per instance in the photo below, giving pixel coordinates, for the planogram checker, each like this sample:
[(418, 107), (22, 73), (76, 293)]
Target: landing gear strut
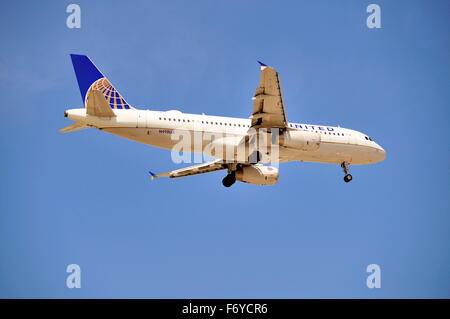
[(345, 168), (255, 157), (229, 180)]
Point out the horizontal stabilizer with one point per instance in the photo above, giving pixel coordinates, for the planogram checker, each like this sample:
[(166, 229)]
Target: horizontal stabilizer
[(97, 105), (72, 127)]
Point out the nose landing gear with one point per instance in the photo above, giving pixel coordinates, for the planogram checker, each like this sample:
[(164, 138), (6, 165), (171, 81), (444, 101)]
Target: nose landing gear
[(345, 167)]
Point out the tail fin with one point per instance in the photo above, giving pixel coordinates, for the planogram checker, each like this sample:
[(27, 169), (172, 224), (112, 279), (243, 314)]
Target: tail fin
[(91, 79)]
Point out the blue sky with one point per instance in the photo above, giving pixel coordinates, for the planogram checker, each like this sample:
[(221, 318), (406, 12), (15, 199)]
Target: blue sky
[(86, 198)]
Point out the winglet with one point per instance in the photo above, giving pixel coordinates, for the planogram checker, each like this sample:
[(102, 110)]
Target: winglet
[(152, 175), (263, 66)]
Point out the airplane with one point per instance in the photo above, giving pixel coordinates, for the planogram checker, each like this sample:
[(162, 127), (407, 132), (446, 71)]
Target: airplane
[(106, 110)]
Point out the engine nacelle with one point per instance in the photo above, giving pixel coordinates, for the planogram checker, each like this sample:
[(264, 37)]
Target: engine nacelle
[(257, 174), (300, 140)]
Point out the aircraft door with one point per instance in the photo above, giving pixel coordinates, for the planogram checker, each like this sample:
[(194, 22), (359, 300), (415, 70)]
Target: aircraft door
[(142, 118)]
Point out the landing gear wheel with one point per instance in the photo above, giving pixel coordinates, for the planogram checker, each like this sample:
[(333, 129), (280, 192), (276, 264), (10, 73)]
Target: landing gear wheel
[(229, 180), (348, 178), (345, 168)]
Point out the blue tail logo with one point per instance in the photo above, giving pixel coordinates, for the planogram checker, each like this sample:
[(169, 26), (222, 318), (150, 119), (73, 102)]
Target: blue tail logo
[(90, 78)]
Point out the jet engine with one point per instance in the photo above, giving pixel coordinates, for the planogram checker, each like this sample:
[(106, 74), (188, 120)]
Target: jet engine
[(300, 140), (257, 174)]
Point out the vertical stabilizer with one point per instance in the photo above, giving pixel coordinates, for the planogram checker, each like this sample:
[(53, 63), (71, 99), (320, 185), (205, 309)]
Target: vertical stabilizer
[(90, 78)]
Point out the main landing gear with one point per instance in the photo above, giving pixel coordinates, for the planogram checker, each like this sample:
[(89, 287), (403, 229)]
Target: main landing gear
[(230, 179), (345, 168), (255, 157)]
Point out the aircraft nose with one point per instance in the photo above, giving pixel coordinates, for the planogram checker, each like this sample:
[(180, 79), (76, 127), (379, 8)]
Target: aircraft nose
[(381, 153)]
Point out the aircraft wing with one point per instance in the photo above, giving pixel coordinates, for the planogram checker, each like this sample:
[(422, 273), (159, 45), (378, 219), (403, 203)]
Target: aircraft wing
[(194, 170), (268, 105)]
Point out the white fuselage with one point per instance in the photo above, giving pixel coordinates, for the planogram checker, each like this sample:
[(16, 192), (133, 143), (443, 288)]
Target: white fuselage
[(156, 128)]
